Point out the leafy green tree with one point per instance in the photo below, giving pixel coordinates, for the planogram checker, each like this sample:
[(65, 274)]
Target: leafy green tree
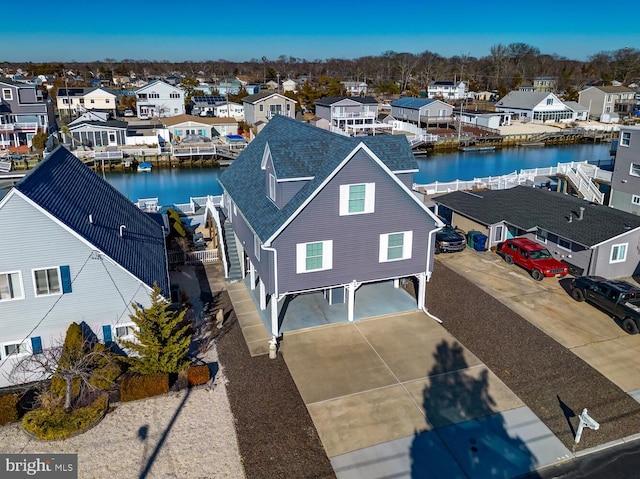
[(162, 338), (39, 140)]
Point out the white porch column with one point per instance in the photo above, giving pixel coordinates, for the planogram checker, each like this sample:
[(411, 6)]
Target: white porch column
[(274, 316), (351, 300), (422, 287), (241, 258), (252, 275), (396, 283), (263, 296)]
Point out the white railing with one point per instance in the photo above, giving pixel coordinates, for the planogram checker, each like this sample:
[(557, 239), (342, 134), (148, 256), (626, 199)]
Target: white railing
[(108, 155), (198, 150), (5, 127), (193, 257), (423, 138), (354, 115), (25, 126), (519, 178), (195, 203), (589, 189), (148, 204)]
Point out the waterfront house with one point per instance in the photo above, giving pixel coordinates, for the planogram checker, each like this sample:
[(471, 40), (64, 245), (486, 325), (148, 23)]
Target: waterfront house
[(264, 106), (74, 101), (423, 112), (229, 109), (591, 239), (625, 182), (24, 111), (180, 126), (204, 105), (95, 130), (537, 107), (315, 211), (349, 115), (608, 103), (74, 250), (159, 99), (447, 90), (355, 88)]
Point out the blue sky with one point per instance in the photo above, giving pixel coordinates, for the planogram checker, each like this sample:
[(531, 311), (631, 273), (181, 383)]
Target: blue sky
[(241, 30)]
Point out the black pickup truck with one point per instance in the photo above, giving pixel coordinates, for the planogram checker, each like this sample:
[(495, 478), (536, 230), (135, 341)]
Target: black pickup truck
[(449, 240), (619, 298)]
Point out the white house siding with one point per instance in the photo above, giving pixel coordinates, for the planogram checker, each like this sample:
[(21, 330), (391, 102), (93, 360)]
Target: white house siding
[(32, 240), (355, 238)]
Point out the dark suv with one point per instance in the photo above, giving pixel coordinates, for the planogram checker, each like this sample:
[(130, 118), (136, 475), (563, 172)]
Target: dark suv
[(449, 240), (533, 257)]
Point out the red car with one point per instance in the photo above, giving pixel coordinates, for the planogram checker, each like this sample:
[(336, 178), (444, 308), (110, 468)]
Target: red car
[(533, 257)]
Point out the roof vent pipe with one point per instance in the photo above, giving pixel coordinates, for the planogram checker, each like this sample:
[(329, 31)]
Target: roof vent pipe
[(122, 228), (581, 213), (90, 219), (570, 217)]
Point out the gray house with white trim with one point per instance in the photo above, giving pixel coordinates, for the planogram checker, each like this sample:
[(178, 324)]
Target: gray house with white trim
[(318, 211), (422, 111), (591, 239), (74, 250), (625, 182)]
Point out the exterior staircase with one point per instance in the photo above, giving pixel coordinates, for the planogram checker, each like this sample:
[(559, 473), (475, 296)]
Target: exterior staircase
[(235, 272)]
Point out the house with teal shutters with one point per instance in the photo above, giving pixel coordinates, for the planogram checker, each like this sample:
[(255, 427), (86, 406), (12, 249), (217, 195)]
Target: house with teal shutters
[(74, 249), (314, 211)]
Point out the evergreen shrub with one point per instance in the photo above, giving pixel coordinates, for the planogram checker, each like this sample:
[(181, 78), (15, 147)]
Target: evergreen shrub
[(9, 409), (140, 387), (59, 424), (197, 375)]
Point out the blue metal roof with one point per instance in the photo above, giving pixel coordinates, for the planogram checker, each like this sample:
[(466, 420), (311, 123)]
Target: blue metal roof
[(412, 103), (70, 191), (299, 150)]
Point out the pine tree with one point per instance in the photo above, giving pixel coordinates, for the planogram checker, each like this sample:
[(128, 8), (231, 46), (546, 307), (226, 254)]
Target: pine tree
[(162, 338)]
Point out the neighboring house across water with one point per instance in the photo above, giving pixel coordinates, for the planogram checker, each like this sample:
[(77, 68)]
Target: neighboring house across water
[(74, 250), (537, 107), (625, 182), (74, 101), (447, 90), (592, 239), (355, 88), (484, 118), (608, 104), (264, 106), (348, 115), (423, 112), (95, 130), (314, 211), (159, 99), (289, 85), (209, 127), (24, 111)]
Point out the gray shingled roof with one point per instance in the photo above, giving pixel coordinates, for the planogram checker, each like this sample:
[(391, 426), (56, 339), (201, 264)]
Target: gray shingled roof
[(522, 99), (299, 150), (70, 191), (259, 96), (330, 100), (528, 208)]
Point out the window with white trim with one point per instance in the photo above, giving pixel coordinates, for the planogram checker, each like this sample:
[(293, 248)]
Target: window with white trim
[(626, 138), (316, 256), (635, 199), (541, 235), (395, 246), (7, 93), (126, 331), (256, 247), (47, 281), (357, 199), (272, 187), (15, 349), (564, 244), (634, 169), (618, 253), (11, 286)]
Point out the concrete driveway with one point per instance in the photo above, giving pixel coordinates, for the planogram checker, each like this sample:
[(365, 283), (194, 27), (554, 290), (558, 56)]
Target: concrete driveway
[(588, 332)]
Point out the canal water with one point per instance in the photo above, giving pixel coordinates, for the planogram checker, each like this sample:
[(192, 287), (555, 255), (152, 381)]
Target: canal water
[(176, 185)]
